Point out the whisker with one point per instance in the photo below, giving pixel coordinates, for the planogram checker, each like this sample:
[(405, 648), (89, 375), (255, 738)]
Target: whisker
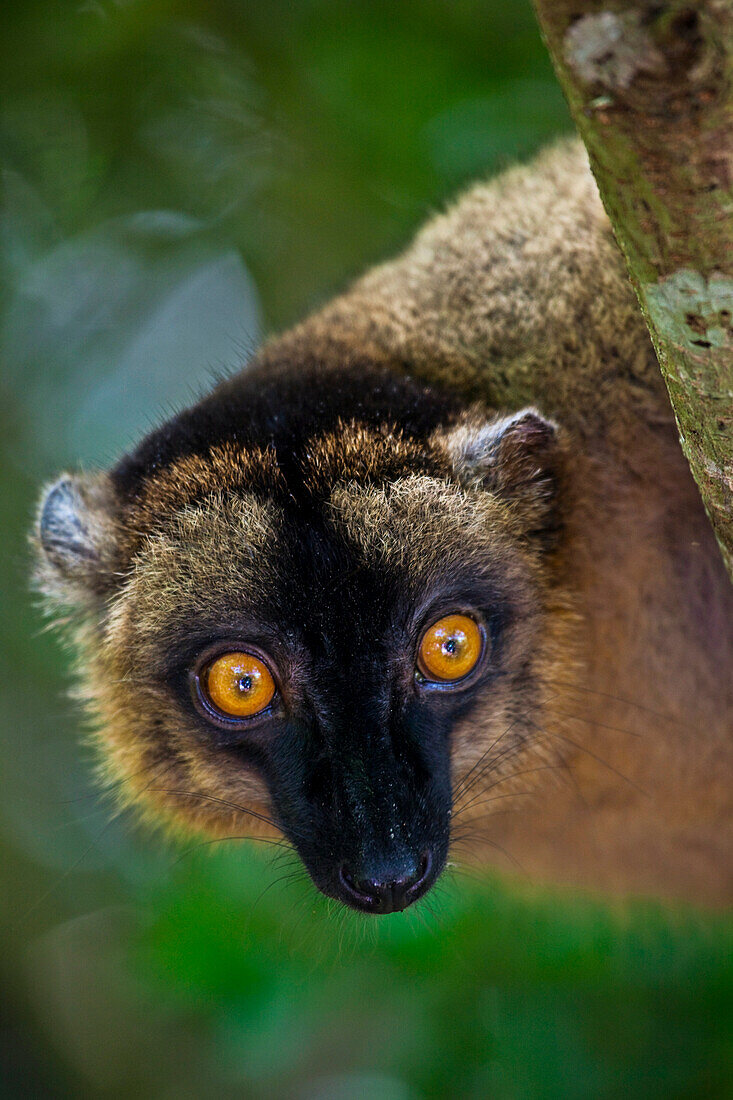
[(507, 754), (218, 801), (504, 779), (270, 885), (593, 755), (573, 782), (595, 722), (221, 839), (495, 797), (460, 790), (615, 698), (417, 914), (512, 859)]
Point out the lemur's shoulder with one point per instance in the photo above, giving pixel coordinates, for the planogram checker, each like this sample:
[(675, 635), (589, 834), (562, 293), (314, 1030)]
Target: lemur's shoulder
[(516, 294)]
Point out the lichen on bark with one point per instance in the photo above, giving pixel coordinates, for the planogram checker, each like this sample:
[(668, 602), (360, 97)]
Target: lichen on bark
[(650, 86)]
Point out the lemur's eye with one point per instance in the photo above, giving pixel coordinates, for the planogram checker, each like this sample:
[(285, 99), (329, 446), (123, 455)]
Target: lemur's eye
[(450, 649), (237, 685)]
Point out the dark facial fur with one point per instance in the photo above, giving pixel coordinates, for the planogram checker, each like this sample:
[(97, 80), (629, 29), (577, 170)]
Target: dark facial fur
[(325, 515)]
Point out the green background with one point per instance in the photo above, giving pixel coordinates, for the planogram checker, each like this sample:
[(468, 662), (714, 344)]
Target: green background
[(179, 179)]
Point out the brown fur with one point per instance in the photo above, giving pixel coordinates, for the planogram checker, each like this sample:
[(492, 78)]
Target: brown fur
[(615, 756)]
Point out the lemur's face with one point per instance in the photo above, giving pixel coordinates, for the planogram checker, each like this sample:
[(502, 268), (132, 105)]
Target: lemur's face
[(328, 639)]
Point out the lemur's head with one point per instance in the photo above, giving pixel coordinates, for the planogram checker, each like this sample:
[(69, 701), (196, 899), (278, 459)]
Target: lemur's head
[(318, 598)]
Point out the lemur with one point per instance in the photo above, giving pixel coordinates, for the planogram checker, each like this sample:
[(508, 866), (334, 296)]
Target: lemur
[(431, 570)]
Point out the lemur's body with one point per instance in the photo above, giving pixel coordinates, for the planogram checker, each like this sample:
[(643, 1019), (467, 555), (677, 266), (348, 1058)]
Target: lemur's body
[(328, 488)]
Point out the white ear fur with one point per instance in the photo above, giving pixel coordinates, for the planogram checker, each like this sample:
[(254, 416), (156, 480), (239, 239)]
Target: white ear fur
[(516, 457), (74, 536)]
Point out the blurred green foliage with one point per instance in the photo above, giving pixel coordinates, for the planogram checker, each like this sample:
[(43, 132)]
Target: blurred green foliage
[(179, 178)]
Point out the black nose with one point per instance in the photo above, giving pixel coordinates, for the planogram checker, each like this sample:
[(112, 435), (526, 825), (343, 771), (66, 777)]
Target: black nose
[(390, 891)]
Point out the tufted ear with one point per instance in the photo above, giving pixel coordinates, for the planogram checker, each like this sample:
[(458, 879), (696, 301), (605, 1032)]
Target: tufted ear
[(75, 538), (517, 457)]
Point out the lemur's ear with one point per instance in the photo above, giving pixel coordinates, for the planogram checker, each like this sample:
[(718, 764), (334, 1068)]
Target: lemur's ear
[(517, 457), (75, 538)]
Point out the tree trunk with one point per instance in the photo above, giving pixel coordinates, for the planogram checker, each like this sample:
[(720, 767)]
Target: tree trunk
[(650, 86)]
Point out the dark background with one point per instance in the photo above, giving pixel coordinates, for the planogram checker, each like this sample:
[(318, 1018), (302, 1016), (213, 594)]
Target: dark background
[(179, 179)]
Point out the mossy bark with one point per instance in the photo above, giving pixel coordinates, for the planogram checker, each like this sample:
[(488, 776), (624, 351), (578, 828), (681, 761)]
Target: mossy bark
[(650, 86)]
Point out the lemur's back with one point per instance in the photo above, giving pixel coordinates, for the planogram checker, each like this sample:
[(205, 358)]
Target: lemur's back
[(517, 294)]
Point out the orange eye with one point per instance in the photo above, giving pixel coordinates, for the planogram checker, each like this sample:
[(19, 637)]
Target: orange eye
[(450, 648), (238, 684)]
